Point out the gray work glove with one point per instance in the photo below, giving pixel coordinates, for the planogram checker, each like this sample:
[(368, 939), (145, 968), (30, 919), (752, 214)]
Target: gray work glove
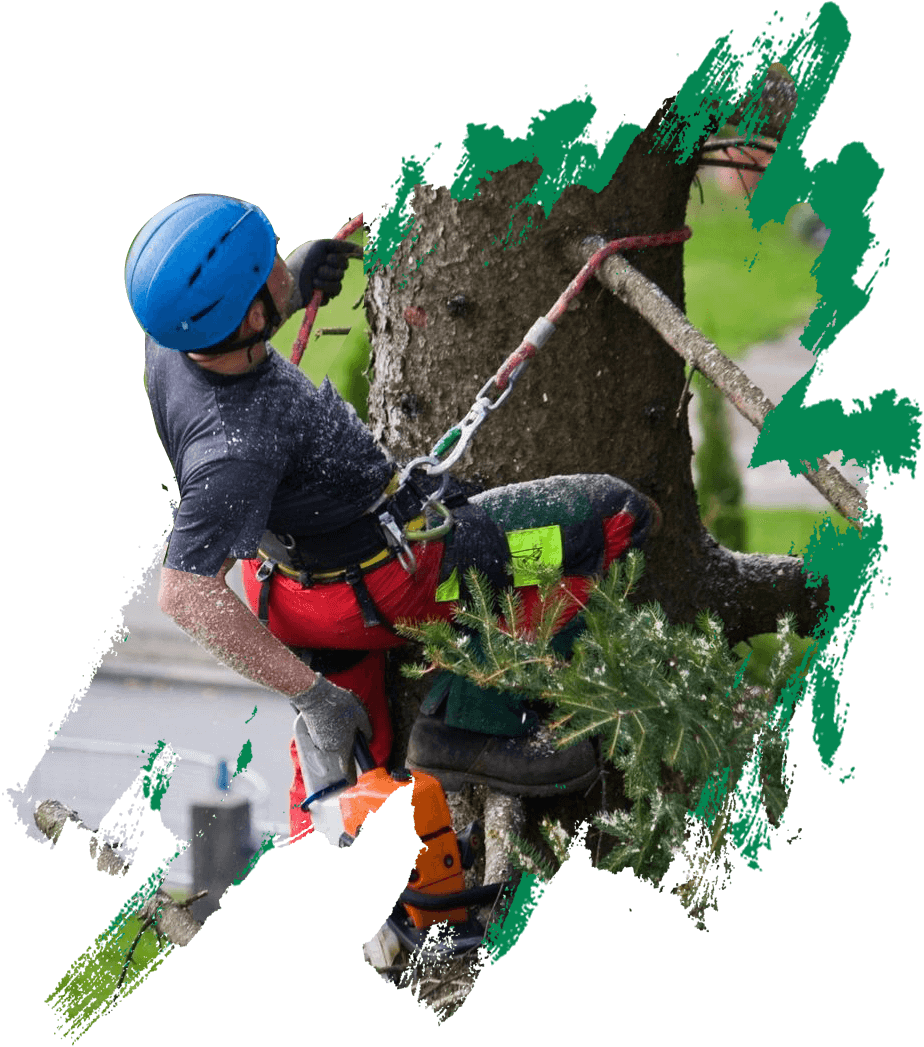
[(332, 715)]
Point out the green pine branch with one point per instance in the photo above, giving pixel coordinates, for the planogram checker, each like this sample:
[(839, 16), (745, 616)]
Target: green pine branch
[(666, 702)]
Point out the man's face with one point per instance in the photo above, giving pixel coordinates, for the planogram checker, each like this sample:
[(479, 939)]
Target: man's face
[(280, 285)]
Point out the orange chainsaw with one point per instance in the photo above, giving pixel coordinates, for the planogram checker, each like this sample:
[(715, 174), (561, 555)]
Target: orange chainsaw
[(436, 890)]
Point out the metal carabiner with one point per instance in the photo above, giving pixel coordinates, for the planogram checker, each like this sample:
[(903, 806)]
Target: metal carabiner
[(463, 432), (397, 541), (425, 462), (432, 533), (466, 429)]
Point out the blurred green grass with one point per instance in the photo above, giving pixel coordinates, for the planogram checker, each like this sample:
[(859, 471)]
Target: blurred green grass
[(786, 531), (341, 357), (744, 285)]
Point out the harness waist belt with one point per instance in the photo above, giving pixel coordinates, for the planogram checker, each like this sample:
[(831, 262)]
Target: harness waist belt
[(345, 555), (272, 551), (358, 543), (332, 551)]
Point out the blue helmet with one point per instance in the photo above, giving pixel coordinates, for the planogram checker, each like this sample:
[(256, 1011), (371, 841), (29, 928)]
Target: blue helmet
[(194, 268)]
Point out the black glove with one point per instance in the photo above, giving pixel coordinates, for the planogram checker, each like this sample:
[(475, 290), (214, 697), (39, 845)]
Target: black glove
[(319, 265)]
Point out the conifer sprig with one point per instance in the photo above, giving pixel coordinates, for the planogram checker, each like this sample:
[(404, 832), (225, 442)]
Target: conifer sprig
[(666, 701)]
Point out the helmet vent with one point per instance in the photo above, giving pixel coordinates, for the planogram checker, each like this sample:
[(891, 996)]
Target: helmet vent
[(194, 268), (198, 316)]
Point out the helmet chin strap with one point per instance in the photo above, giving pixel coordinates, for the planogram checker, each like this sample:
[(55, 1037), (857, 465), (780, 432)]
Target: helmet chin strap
[(273, 323)]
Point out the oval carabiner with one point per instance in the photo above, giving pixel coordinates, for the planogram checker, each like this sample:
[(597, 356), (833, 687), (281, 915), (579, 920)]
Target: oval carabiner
[(432, 533)]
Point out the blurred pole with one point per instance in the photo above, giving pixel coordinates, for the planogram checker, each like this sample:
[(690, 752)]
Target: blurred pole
[(221, 843)]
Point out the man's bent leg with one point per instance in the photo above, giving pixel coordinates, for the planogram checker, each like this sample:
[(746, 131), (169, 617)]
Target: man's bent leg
[(577, 524)]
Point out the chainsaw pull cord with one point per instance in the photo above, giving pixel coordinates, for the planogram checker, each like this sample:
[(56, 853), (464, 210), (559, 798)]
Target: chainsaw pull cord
[(453, 443), (362, 754)]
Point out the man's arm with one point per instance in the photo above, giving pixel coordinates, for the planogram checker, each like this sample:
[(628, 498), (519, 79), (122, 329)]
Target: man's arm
[(212, 614)]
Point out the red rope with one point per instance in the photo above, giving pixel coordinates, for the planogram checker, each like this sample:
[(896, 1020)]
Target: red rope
[(311, 310), (627, 243)]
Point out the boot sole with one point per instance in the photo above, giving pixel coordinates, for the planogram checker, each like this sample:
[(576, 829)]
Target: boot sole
[(452, 781)]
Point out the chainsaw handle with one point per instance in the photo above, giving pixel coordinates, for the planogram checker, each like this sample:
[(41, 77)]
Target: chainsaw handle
[(362, 753)]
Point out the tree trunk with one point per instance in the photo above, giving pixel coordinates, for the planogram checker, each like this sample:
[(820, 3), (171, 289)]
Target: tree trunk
[(605, 394)]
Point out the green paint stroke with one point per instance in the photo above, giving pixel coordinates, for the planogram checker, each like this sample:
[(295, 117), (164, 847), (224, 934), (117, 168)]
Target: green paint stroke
[(156, 781), (555, 139), (398, 222), (91, 985), (85, 994), (90, 988), (502, 936), (244, 758)]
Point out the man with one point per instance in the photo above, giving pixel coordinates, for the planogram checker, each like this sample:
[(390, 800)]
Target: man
[(284, 477)]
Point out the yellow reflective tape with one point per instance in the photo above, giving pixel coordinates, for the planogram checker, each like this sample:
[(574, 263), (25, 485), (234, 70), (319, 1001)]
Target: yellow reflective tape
[(533, 548), (448, 590)]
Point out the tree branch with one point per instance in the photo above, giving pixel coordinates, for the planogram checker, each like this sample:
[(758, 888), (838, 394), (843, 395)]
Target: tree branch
[(739, 165), (712, 145), (172, 919), (750, 592), (650, 302), (776, 104)]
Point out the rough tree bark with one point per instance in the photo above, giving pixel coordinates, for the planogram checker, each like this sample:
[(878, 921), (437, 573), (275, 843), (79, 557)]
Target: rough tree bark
[(601, 396)]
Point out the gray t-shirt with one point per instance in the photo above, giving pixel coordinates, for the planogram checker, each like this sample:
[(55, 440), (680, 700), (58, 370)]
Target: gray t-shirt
[(266, 450)]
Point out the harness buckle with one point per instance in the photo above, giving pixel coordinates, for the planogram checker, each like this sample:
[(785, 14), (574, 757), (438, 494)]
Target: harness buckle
[(263, 576), (266, 569), (395, 540)]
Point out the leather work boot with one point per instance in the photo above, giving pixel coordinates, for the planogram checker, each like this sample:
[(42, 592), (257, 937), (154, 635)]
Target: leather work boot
[(527, 766)]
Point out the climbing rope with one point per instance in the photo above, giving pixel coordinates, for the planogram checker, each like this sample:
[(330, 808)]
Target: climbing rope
[(311, 310), (452, 444)]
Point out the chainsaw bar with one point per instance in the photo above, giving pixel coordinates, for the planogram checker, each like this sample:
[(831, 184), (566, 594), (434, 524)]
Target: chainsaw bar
[(451, 939)]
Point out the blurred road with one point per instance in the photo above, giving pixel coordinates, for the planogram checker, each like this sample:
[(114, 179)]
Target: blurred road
[(773, 367), (158, 684)]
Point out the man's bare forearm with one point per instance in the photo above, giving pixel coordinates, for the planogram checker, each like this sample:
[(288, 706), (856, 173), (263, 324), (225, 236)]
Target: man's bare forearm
[(213, 615)]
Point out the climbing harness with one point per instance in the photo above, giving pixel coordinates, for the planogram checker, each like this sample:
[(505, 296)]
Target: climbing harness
[(399, 517)]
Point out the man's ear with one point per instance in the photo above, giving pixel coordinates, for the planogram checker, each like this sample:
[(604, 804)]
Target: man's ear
[(255, 320)]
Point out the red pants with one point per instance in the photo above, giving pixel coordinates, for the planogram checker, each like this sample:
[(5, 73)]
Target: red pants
[(328, 616)]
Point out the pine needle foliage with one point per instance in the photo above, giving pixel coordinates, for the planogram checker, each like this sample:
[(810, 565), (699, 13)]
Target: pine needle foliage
[(666, 702)]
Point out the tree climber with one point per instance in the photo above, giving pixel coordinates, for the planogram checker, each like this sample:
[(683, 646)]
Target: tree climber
[(284, 477)]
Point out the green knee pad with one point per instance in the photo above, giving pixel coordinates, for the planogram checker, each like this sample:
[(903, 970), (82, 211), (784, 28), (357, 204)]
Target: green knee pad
[(484, 710)]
